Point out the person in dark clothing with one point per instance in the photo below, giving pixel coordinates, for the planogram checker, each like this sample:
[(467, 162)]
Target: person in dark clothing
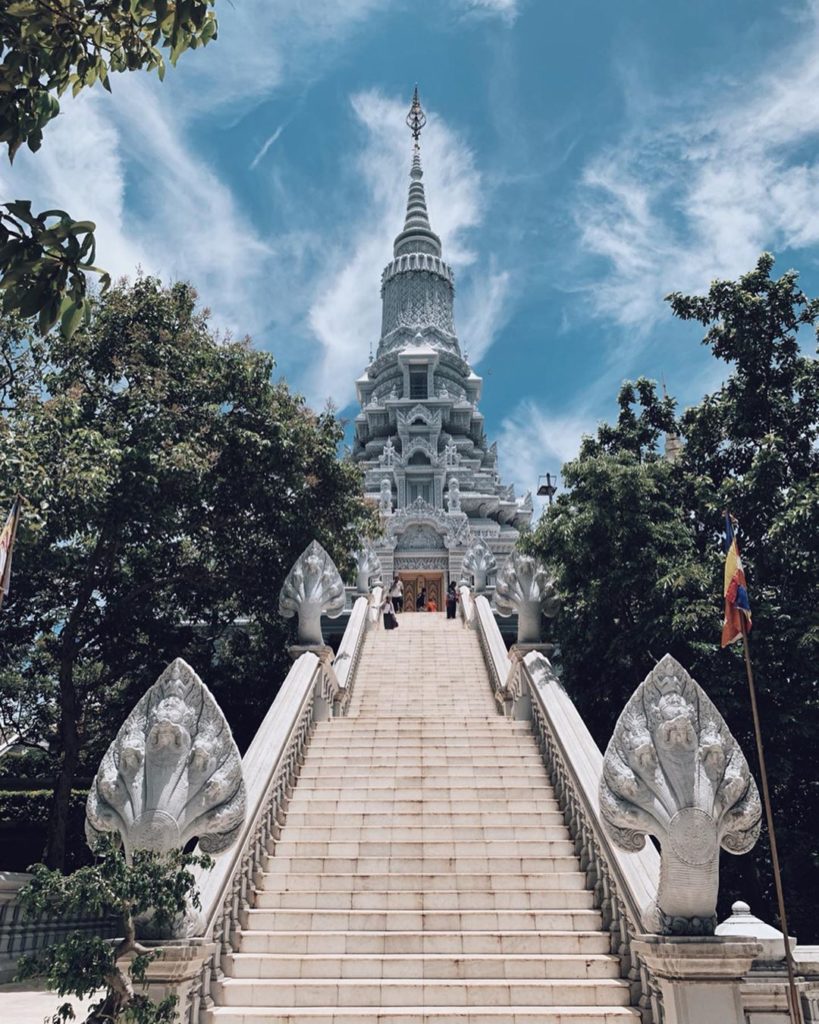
[(451, 601), (421, 600)]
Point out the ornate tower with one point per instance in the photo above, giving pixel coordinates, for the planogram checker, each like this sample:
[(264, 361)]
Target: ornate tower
[(419, 436)]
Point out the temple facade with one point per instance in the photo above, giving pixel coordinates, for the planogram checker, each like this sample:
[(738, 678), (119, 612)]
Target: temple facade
[(419, 436)]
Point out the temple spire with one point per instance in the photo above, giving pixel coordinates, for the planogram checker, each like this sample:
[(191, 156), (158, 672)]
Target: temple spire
[(417, 235)]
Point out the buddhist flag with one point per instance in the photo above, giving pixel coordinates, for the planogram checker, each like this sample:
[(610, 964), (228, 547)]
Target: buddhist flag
[(7, 538), (737, 606)]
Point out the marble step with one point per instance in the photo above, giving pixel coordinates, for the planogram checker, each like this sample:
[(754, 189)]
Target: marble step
[(430, 788), (423, 865), (420, 920), (370, 822), (382, 992), (507, 899), (398, 828), (430, 843), (432, 799), (423, 1015), (491, 848), (450, 943), (420, 883), (420, 966), (515, 772)]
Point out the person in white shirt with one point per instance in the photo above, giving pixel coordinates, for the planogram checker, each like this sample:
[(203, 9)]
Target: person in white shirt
[(397, 594)]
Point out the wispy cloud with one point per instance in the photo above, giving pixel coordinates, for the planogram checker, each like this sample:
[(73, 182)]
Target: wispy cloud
[(345, 315), (533, 441), (128, 167), (506, 9), (702, 185), (268, 142)]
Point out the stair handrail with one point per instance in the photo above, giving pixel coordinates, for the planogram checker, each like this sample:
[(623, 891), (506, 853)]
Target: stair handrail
[(623, 883), (269, 766), (349, 651), (466, 606)]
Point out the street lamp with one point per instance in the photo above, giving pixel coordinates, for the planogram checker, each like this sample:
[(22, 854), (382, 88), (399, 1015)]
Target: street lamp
[(546, 486)]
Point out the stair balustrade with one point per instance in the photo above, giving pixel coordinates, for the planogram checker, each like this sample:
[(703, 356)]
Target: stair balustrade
[(623, 883), (313, 687)]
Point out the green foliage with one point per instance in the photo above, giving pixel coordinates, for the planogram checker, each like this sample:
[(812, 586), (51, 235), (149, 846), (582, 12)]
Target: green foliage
[(170, 484), (50, 47), (635, 543), (32, 806), (81, 965)]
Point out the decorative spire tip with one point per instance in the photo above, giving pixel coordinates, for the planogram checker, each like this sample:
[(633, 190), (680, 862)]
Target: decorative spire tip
[(416, 118)]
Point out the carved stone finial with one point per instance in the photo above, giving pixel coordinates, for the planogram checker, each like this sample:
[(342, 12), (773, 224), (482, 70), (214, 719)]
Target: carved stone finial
[(479, 561), (524, 586), (172, 773), (368, 564), (454, 496), (672, 769), (313, 588), (385, 498)]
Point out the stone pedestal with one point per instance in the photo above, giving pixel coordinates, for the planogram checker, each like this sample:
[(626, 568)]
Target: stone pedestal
[(699, 978), (179, 971)]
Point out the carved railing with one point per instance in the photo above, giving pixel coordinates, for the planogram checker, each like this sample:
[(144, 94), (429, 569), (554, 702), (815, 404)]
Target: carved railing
[(349, 651), (312, 689), (466, 607), (623, 883)]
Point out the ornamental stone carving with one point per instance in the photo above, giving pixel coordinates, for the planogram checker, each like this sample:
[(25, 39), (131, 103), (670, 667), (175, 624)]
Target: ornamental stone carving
[(313, 588), (673, 770), (454, 499), (479, 562), (524, 586), (172, 774), (385, 497), (368, 564)]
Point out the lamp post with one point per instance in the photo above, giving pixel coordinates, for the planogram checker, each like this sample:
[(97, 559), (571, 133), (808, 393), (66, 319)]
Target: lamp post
[(547, 486)]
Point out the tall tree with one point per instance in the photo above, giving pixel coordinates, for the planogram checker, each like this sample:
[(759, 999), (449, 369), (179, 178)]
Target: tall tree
[(49, 47), (170, 484), (636, 545)]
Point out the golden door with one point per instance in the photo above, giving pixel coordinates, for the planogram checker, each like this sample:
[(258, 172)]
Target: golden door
[(415, 582)]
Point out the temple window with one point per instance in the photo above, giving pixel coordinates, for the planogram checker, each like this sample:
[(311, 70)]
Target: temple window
[(418, 382)]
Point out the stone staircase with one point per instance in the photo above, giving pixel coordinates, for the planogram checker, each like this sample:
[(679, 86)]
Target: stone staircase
[(424, 872)]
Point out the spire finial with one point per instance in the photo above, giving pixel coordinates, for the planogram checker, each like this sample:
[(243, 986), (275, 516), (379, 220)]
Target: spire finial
[(416, 118)]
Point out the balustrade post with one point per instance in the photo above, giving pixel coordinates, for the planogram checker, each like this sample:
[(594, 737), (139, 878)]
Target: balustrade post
[(699, 977)]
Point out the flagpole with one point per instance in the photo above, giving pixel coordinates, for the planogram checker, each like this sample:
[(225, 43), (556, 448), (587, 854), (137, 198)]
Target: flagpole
[(793, 996)]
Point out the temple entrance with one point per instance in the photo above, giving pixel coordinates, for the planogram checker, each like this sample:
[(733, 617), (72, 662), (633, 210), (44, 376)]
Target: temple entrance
[(414, 582)]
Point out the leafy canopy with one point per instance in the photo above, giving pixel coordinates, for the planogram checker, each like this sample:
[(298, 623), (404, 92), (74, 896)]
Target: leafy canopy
[(162, 887), (170, 484), (635, 543), (48, 48)]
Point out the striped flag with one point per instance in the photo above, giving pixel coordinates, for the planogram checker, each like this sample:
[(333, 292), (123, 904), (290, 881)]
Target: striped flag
[(7, 538), (737, 606)]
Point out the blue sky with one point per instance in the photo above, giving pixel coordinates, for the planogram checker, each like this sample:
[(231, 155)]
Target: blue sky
[(581, 160)]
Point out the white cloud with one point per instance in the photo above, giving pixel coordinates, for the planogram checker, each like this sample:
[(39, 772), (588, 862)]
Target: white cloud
[(345, 315), (268, 142), (263, 43), (533, 442), (701, 187), (506, 9), (126, 165)]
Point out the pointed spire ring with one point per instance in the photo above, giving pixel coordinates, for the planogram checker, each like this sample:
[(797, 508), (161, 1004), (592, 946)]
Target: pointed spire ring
[(416, 118)]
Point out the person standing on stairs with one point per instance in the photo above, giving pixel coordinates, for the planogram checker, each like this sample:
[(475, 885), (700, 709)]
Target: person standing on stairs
[(387, 609), (451, 601), (421, 601), (397, 594)]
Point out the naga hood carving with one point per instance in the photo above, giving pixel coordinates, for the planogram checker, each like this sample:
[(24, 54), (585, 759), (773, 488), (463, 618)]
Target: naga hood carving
[(313, 588), (479, 561), (172, 773), (368, 564), (673, 770), (524, 586)]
